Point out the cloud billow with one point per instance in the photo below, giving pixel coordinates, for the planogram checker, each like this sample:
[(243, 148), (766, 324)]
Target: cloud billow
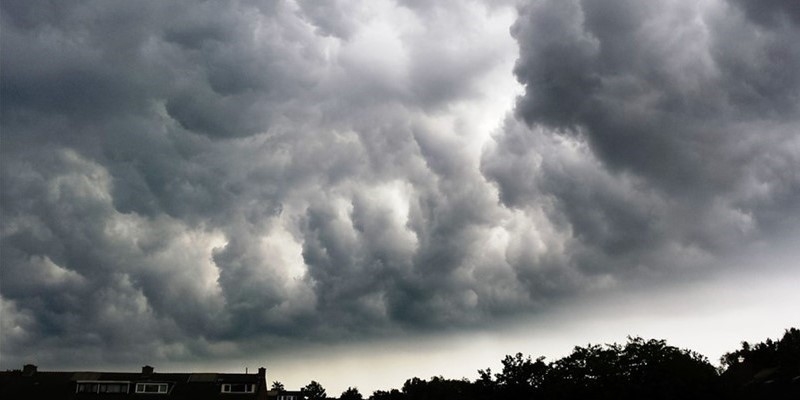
[(231, 177), (227, 177), (657, 130)]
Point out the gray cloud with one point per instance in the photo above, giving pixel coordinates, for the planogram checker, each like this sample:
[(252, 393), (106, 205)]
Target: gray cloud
[(229, 177), (771, 12), (683, 107)]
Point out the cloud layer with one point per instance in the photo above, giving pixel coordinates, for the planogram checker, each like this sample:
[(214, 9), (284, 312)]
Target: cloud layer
[(660, 131), (233, 176)]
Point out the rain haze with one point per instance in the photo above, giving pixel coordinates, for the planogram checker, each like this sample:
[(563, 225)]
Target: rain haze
[(360, 192)]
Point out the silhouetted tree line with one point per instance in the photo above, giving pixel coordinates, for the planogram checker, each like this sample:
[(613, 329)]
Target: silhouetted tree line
[(639, 369)]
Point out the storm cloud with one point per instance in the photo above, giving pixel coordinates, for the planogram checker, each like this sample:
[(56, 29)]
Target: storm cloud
[(654, 132), (230, 176)]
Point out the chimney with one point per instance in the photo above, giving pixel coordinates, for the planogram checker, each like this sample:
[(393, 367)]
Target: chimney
[(262, 379), (28, 370), (147, 370)]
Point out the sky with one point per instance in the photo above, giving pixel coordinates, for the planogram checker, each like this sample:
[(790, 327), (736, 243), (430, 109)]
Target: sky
[(363, 191)]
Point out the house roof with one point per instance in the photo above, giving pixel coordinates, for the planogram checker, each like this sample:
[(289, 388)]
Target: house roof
[(31, 383)]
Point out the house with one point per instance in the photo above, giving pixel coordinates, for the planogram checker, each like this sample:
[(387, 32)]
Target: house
[(30, 383)]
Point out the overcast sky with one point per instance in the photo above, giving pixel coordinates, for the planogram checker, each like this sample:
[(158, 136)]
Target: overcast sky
[(363, 191)]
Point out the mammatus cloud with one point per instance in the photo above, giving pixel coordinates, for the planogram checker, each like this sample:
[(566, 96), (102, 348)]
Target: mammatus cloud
[(229, 176), (658, 134)]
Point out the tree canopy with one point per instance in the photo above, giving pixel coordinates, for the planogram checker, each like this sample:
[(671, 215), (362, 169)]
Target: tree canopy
[(770, 369), (351, 394), (314, 391), (638, 369)]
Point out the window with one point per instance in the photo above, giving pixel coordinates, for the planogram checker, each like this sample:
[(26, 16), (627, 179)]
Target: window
[(152, 388), (238, 388), (87, 387), (102, 387), (287, 397), (114, 387)]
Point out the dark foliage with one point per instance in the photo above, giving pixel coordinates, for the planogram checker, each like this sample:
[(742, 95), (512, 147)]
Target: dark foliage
[(438, 388), (314, 391), (393, 394), (764, 370), (351, 394), (639, 369)]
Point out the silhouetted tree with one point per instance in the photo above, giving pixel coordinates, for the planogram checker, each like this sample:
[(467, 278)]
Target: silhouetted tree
[(639, 370), (393, 394), (521, 377), (655, 370), (437, 388), (276, 385), (485, 386), (588, 372), (764, 370), (314, 391), (351, 394)]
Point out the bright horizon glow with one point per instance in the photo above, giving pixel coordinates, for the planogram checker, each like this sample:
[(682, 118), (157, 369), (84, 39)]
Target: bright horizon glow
[(711, 318)]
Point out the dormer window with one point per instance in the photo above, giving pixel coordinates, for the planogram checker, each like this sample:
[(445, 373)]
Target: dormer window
[(112, 387), (238, 388), (101, 387), (154, 388)]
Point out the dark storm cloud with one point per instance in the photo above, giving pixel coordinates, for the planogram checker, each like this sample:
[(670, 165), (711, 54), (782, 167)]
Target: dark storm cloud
[(227, 176), (214, 69), (83, 271), (656, 132), (771, 12)]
